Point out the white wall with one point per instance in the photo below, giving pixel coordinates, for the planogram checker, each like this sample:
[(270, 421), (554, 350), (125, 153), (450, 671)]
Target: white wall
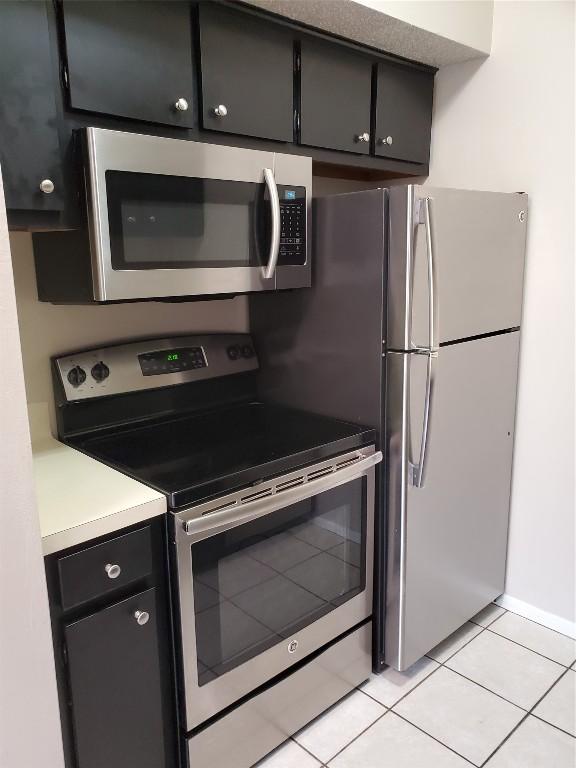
[(47, 329), (507, 124), (29, 717)]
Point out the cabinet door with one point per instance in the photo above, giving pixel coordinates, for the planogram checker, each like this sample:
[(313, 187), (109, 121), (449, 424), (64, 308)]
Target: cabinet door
[(115, 686), (247, 75), (29, 146), (335, 97), (131, 59), (403, 113)]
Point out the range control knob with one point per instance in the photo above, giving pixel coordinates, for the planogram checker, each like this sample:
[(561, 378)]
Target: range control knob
[(100, 371), (247, 350), (234, 352), (76, 376)]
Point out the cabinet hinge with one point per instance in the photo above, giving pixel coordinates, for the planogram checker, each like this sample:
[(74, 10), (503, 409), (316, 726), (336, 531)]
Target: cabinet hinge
[(297, 62), (65, 80), (64, 654)]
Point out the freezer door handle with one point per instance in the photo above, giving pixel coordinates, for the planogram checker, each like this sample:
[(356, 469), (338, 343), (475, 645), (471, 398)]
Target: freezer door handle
[(424, 217), (417, 471)]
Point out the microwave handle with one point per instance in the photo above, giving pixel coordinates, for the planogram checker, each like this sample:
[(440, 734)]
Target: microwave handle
[(270, 268)]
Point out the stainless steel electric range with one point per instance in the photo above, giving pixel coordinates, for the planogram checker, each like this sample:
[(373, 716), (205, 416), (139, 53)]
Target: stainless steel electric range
[(271, 522)]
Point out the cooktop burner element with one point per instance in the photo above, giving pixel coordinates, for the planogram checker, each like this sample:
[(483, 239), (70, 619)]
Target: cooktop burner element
[(189, 425)]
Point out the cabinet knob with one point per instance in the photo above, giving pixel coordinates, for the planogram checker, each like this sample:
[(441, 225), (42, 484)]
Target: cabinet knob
[(363, 137), (47, 186), (142, 617), (113, 570), (181, 105), (221, 110), (386, 140)]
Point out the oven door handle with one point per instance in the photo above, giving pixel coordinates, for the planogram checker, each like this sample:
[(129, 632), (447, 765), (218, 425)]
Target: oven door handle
[(216, 522), (270, 268)]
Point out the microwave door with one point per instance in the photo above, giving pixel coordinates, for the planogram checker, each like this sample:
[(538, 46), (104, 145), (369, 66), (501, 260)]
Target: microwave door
[(175, 218)]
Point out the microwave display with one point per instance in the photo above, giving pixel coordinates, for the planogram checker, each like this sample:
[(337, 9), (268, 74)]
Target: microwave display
[(173, 222)]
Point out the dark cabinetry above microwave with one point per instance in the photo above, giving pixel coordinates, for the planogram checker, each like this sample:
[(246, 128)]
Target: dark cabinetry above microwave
[(204, 71), (130, 59), (247, 74), (335, 97)]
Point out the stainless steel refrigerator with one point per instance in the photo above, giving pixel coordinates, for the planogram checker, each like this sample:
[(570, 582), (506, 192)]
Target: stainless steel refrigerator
[(412, 326)]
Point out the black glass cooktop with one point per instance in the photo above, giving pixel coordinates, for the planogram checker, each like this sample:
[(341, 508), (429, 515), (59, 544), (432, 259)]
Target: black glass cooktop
[(195, 457)]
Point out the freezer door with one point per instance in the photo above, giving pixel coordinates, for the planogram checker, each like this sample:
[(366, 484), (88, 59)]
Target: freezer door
[(464, 250), (447, 526)]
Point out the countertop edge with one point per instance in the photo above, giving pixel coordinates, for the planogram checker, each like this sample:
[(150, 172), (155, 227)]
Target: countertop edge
[(84, 532)]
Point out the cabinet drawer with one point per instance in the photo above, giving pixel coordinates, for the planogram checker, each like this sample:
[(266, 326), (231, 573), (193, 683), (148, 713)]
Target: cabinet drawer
[(104, 568)]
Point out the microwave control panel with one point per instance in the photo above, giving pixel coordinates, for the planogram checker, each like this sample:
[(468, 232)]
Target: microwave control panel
[(292, 225)]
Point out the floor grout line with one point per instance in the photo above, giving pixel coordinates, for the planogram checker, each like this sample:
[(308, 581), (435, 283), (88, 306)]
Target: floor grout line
[(357, 736), (516, 642), (523, 720), (434, 738)]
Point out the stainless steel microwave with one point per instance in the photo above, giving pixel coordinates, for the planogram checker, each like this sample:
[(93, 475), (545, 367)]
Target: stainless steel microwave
[(173, 218)]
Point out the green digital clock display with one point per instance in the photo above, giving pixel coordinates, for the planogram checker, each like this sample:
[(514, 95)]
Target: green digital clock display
[(172, 360)]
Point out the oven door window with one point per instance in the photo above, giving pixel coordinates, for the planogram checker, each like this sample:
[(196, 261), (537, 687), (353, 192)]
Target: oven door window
[(261, 582), (178, 222)]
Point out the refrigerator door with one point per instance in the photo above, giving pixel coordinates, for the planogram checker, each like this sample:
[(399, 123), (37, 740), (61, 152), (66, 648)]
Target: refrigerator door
[(468, 253), (447, 524)]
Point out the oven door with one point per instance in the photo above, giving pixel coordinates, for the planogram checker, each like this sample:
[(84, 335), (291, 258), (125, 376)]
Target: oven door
[(268, 575), (175, 218)]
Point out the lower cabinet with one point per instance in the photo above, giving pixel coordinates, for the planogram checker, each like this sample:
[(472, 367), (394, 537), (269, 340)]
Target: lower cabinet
[(115, 685), (113, 651)]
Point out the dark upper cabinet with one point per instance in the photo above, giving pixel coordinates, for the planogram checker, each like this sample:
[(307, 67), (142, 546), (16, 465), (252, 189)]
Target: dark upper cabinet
[(335, 96), (115, 686), (131, 59), (247, 74), (29, 145), (403, 112)]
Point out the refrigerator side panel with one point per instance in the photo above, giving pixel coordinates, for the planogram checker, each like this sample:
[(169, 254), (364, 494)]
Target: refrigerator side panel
[(456, 525), (478, 242), (320, 348)]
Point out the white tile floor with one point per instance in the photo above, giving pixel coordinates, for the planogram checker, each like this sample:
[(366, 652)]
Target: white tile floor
[(499, 693)]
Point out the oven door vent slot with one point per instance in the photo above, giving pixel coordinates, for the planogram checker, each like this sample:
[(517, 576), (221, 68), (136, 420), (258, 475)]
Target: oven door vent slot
[(321, 472), (257, 495), (348, 463), (221, 508), (290, 484)]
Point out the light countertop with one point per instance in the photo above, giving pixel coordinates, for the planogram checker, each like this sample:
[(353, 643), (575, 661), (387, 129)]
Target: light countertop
[(78, 497)]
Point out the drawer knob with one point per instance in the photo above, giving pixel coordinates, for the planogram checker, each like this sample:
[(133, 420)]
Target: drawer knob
[(387, 140), (142, 617), (363, 137), (181, 105), (47, 186), (113, 571), (221, 110)]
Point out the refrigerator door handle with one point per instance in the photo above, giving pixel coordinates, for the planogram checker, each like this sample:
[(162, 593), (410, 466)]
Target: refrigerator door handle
[(424, 216), (417, 471)]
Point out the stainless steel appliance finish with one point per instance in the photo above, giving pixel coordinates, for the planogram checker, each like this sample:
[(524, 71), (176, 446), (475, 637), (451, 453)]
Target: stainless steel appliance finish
[(413, 325), (262, 723), (269, 499), (119, 152), (124, 374)]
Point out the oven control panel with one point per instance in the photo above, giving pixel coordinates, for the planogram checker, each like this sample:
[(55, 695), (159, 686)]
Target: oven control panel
[(153, 363)]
